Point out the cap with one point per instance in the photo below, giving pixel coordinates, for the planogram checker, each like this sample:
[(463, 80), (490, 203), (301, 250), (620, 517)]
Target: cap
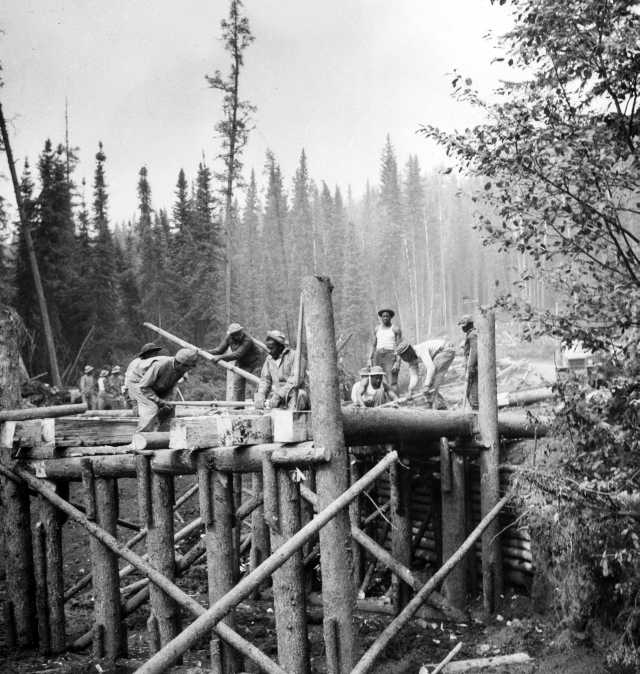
[(104, 373), (186, 357), (401, 348), (388, 311), (377, 371), (465, 320), (149, 348), (277, 336), (234, 327), (115, 369), (88, 369)]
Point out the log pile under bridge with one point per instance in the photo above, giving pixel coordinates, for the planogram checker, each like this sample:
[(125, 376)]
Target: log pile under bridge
[(419, 492)]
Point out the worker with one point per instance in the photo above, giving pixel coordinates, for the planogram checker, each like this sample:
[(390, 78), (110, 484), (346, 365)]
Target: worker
[(278, 377), (436, 355), (247, 354), (156, 387), (88, 388), (104, 397), (115, 383), (360, 384), (372, 390), (386, 338), (136, 369), (470, 349)]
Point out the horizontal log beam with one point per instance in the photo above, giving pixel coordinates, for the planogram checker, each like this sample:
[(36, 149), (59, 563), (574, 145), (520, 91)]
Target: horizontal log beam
[(42, 412)]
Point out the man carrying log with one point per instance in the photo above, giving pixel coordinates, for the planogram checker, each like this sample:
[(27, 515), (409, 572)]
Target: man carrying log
[(436, 355), (156, 387), (372, 390), (386, 338), (279, 377), (247, 354), (471, 354), (88, 388)]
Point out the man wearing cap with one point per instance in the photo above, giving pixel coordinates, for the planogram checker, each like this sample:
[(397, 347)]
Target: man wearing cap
[(88, 388), (247, 354), (278, 376), (137, 367), (470, 349), (386, 339), (115, 384), (372, 390), (156, 387), (436, 355)]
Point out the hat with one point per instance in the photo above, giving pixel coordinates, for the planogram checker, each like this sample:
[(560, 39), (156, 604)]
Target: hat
[(401, 348), (277, 336), (115, 369), (364, 372), (388, 311), (88, 369), (104, 373), (465, 320), (186, 357), (234, 327), (377, 371), (148, 348)]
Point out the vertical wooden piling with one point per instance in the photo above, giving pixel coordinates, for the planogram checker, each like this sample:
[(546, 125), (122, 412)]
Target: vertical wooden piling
[(400, 497), (471, 561), (260, 549), (355, 510), (52, 525), (16, 521), (436, 521), (9, 618), (40, 568), (237, 525), (143, 470), (453, 521), (332, 478), (288, 584), (161, 555), (104, 566), (492, 578)]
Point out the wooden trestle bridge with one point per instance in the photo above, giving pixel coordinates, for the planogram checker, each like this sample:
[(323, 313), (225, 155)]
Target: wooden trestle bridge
[(429, 479)]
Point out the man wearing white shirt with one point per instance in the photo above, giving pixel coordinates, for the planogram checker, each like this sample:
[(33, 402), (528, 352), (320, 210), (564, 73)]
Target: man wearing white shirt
[(436, 355)]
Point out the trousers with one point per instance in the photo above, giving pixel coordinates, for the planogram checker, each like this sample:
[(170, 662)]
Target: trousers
[(386, 360), (442, 361), (150, 416)]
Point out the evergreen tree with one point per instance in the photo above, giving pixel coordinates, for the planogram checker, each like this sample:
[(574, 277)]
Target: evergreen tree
[(301, 224), (249, 286)]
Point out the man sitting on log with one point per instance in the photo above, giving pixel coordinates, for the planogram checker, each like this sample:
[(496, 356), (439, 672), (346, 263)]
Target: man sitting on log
[(436, 355), (247, 354), (157, 386), (278, 376), (372, 390)]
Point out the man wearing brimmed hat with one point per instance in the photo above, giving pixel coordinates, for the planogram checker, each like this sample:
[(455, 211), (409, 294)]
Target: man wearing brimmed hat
[(372, 390), (279, 378), (247, 354), (470, 349), (156, 387), (88, 388), (104, 397), (115, 385), (137, 367), (386, 338), (436, 355)]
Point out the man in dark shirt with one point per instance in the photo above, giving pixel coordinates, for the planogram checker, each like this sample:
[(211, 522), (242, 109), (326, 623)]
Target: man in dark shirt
[(471, 354), (247, 354)]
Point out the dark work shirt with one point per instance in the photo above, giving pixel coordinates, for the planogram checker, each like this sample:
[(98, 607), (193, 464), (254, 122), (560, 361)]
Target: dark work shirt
[(244, 351), (471, 349)]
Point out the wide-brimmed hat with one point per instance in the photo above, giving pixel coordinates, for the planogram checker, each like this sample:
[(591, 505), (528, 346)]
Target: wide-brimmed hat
[(150, 347), (88, 369), (234, 327), (364, 372), (104, 373), (115, 369), (277, 336), (186, 357), (377, 371), (401, 348), (465, 320), (388, 311)]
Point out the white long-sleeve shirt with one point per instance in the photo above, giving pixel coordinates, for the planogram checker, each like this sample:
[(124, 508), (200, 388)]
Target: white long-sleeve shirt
[(426, 352)]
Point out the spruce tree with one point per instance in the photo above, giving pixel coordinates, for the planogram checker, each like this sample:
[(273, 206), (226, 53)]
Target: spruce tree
[(301, 224), (249, 286)]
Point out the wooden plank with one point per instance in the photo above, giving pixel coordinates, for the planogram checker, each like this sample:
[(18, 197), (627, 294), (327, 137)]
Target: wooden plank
[(244, 430), (194, 433), (80, 431), (290, 426)]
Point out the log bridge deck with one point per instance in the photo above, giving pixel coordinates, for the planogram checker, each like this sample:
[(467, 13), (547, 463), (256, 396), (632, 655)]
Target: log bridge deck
[(405, 489)]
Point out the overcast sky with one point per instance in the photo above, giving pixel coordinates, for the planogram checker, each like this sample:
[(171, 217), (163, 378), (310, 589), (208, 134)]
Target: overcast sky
[(331, 76)]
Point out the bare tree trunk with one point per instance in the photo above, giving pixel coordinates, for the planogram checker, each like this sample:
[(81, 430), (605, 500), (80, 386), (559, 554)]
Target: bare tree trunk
[(37, 281)]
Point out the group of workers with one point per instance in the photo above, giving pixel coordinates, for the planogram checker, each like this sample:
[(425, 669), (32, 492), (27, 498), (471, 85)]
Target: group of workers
[(150, 380), (378, 384)]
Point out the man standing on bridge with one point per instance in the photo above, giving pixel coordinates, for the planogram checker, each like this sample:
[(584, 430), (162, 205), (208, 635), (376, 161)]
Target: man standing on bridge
[(156, 387), (436, 355), (471, 354), (247, 354), (386, 338)]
